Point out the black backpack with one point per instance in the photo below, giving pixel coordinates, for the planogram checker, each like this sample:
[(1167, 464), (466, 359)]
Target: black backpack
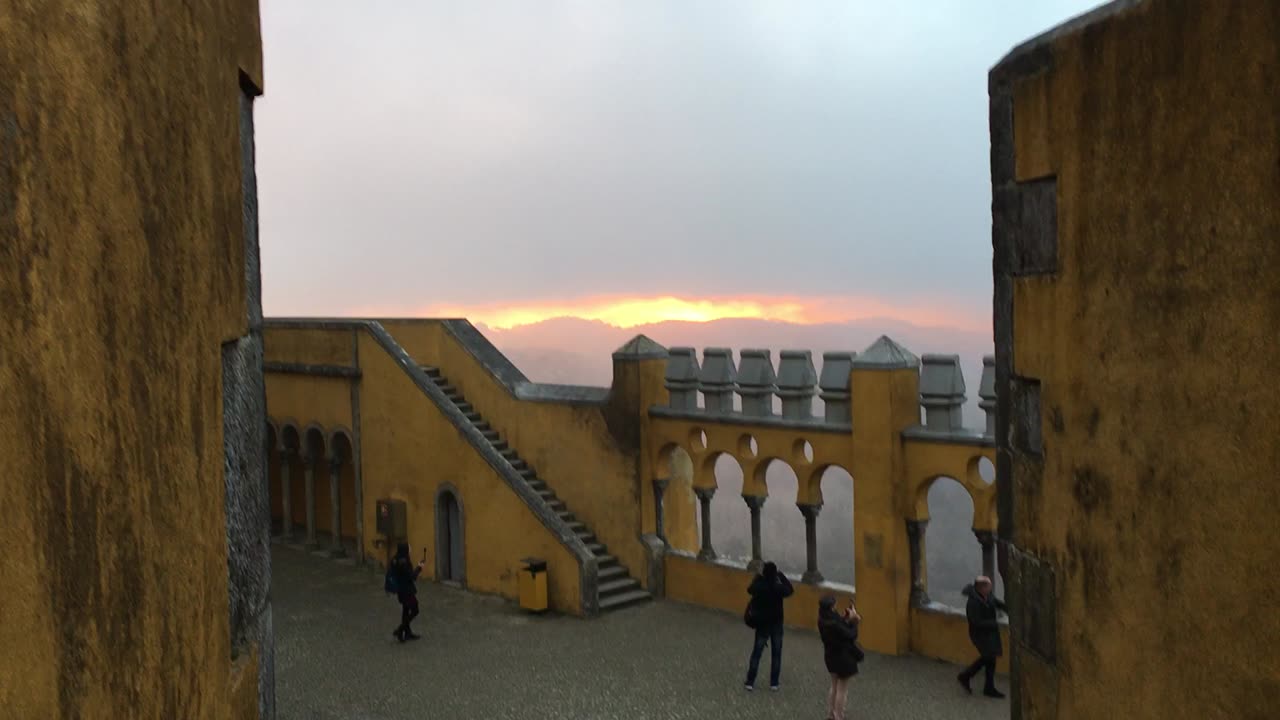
[(390, 584)]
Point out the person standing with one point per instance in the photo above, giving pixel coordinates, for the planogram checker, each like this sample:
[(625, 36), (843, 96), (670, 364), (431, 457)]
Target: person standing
[(404, 575), (984, 633), (840, 651), (767, 591)]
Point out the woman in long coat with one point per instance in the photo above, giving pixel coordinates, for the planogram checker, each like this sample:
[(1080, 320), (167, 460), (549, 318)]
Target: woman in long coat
[(839, 631)]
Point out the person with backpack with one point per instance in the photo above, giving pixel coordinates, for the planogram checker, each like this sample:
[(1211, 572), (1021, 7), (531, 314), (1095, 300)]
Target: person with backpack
[(400, 582), (764, 614), (840, 651)]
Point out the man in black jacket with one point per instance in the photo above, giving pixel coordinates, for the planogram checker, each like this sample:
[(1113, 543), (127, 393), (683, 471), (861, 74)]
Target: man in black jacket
[(984, 633), (767, 591)]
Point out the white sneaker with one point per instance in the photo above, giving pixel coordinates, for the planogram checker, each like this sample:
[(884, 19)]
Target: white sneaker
[(748, 688)]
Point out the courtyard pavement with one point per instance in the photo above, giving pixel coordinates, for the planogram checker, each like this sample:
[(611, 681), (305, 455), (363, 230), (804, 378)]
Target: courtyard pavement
[(482, 657)]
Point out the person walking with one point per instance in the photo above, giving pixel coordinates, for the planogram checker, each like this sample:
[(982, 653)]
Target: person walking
[(984, 633), (840, 651), (767, 591), (403, 575)]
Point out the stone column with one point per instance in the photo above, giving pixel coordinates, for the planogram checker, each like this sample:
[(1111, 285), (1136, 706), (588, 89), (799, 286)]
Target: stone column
[(755, 502), (286, 493), (915, 538), (810, 512), (309, 477), (335, 503), (706, 552), (659, 492), (987, 539)]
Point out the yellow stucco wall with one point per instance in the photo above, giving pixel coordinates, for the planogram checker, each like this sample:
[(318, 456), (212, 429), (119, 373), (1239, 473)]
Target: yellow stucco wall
[(122, 270), (309, 400), (1153, 343), (311, 346), (570, 446), (409, 450), (944, 634)]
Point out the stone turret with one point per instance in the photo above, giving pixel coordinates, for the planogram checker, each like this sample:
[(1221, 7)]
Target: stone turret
[(682, 378), (836, 367), (942, 392), (797, 384), (717, 380), (987, 393), (756, 383)]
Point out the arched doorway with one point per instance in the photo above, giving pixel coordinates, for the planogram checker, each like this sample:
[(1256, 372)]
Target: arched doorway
[(450, 555)]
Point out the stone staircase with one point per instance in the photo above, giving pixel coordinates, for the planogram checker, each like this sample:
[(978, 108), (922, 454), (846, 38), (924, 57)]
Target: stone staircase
[(616, 588)]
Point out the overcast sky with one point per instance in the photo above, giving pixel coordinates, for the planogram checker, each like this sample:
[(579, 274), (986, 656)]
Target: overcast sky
[(419, 153)]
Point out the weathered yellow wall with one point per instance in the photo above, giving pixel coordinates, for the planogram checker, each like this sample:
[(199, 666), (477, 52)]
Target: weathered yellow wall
[(945, 636), (1154, 346), (308, 399), (310, 346), (122, 270), (928, 461), (409, 449), (569, 446), (724, 587)]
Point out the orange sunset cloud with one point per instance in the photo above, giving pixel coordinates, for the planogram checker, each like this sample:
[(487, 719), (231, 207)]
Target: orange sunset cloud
[(628, 312)]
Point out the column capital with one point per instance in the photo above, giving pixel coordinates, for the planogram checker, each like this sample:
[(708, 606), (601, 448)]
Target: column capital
[(985, 537), (917, 527), (810, 510), (660, 484), (755, 502), (704, 493)]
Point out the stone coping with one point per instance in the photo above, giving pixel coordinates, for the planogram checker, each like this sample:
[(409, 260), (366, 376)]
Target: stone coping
[(937, 608), (737, 418), (731, 564), (962, 436)]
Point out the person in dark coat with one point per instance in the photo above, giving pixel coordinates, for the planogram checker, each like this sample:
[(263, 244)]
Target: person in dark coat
[(984, 633), (404, 572), (840, 651), (767, 591)]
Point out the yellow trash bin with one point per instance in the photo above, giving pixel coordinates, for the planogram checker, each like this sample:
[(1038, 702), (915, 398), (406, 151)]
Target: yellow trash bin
[(533, 585)]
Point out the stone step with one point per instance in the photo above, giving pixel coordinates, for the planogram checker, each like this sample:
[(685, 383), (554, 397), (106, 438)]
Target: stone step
[(535, 483), (587, 537), (613, 587), (576, 526), (448, 389), (603, 560), (484, 427), (474, 417), (600, 550), (528, 474), (493, 437), (431, 371), (621, 600), (556, 505), (464, 406), (612, 572), (510, 453)]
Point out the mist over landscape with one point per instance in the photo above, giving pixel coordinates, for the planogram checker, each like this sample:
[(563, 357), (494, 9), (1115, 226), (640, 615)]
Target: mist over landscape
[(579, 352)]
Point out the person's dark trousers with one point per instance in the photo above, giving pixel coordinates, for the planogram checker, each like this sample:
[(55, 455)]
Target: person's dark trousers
[(771, 636), (408, 611), (982, 663)]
